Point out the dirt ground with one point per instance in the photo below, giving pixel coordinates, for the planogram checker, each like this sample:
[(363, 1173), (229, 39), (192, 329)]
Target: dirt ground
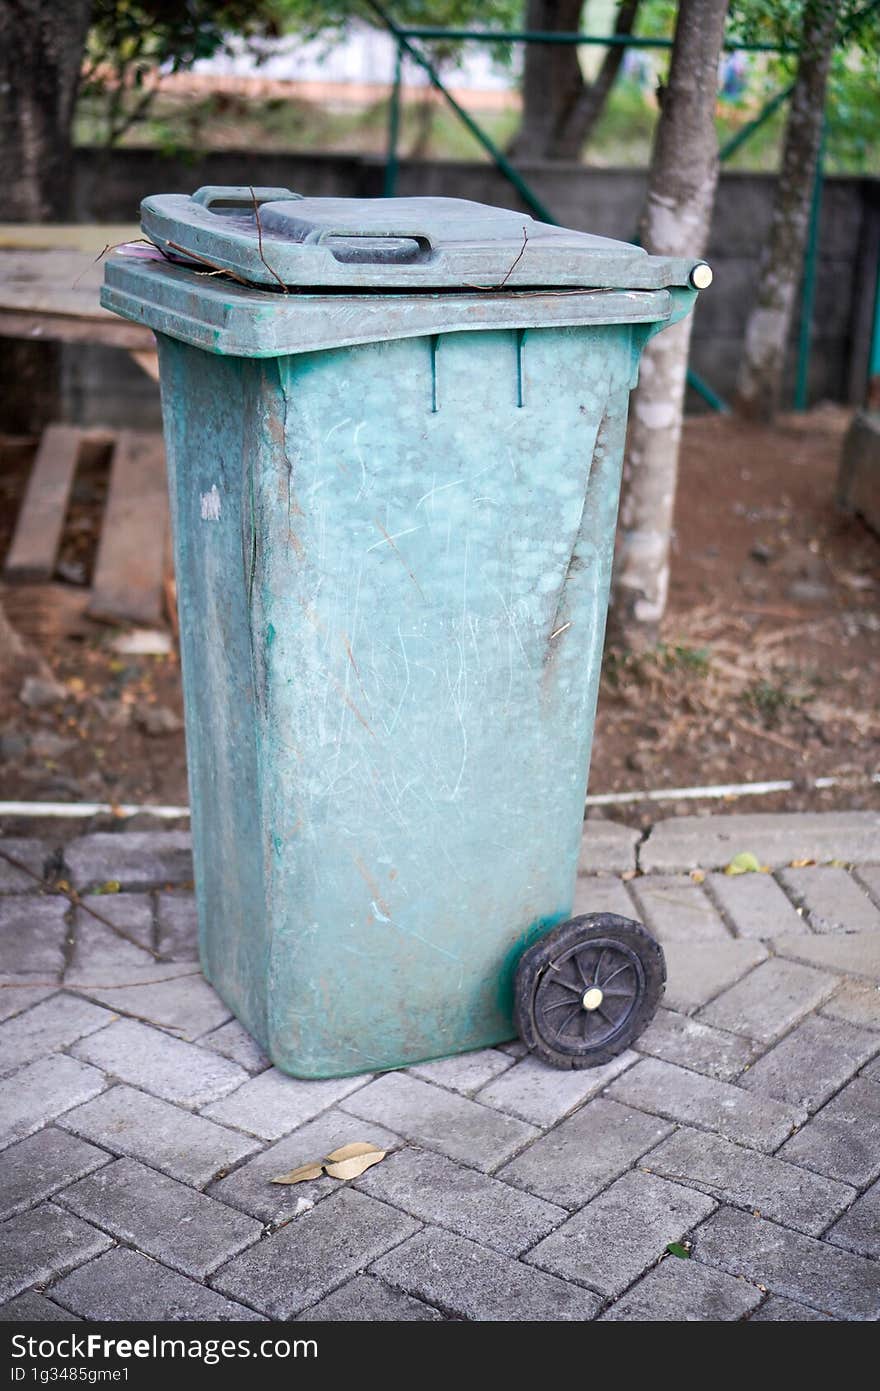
[(769, 665)]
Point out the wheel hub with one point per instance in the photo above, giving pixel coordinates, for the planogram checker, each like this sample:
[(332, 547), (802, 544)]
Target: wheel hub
[(587, 994)]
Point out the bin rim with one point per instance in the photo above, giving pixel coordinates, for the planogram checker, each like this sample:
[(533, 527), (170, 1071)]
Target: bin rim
[(232, 320)]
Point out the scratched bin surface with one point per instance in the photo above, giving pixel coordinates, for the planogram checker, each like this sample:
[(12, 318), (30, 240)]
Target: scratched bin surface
[(393, 561)]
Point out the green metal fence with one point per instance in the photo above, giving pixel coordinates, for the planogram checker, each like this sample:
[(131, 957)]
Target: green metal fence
[(404, 37)]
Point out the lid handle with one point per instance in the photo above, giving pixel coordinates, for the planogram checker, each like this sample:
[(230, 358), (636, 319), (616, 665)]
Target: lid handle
[(235, 195), (423, 247)]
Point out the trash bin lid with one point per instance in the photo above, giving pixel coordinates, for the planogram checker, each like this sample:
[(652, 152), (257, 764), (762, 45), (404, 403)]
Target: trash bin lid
[(279, 240)]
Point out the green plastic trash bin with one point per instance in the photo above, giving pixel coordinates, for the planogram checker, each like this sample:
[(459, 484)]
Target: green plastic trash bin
[(394, 432)]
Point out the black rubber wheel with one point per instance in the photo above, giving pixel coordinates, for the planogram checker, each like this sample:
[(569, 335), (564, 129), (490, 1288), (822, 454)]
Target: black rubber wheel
[(586, 990)]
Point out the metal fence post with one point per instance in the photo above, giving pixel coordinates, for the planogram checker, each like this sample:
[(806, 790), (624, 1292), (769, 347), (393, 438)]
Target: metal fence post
[(391, 159)]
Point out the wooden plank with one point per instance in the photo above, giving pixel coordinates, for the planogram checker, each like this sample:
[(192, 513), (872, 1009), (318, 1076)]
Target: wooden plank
[(55, 294), (41, 519), (129, 567), (37, 325), (88, 237), (148, 361)]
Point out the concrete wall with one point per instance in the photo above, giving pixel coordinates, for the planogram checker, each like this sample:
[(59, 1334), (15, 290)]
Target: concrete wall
[(101, 385)]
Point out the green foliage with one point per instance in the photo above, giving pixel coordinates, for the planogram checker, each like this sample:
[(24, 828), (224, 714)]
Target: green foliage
[(770, 700), (853, 98), (130, 39), (853, 107), (782, 21), (331, 19), (313, 17), (696, 659)]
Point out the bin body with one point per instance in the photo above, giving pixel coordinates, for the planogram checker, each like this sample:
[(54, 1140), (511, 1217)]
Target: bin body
[(393, 561)]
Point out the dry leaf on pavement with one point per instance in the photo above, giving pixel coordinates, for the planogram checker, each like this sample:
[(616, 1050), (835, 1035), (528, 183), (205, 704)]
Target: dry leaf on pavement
[(300, 1175), (350, 1161)]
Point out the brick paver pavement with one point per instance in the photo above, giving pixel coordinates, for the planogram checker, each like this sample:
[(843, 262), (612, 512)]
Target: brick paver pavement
[(140, 1125)]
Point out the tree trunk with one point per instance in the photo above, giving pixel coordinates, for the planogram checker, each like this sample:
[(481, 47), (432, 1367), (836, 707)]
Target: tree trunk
[(559, 108), (41, 52), (579, 115), (675, 222), (759, 385)]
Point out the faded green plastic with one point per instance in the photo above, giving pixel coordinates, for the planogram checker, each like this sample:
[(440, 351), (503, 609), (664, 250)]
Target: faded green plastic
[(277, 238), (393, 560)]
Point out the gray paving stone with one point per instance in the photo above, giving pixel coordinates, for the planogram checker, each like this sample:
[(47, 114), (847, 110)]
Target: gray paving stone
[(466, 1281), (679, 1039), (683, 1291), (697, 971), (43, 1243), (187, 1147), (779, 1310), (770, 1000), (600, 893), (438, 1191), (612, 1240), (32, 935), (869, 877), (543, 1095), (744, 1178), (475, 1114), (465, 1072), (607, 845), (574, 1161), (178, 926), (691, 1098), (440, 1120), (831, 899), (130, 912), (134, 859), (158, 1063), (754, 905), (42, 1091), (34, 1308), (368, 1300), (856, 1001), (308, 1258), (123, 1285), (843, 1139), (272, 1104), (180, 1227), (97, 949), (16, 996), (851, 953), (233, 1041), (677, 910), (787, 1263), (250, 1188), (30, 852), (48, 1027), (859, 1229), (173, 996), (37, 1167), (812, 1062), (710, 842)]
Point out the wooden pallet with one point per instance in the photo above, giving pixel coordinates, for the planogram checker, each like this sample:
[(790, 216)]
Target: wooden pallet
[(130, 581)]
